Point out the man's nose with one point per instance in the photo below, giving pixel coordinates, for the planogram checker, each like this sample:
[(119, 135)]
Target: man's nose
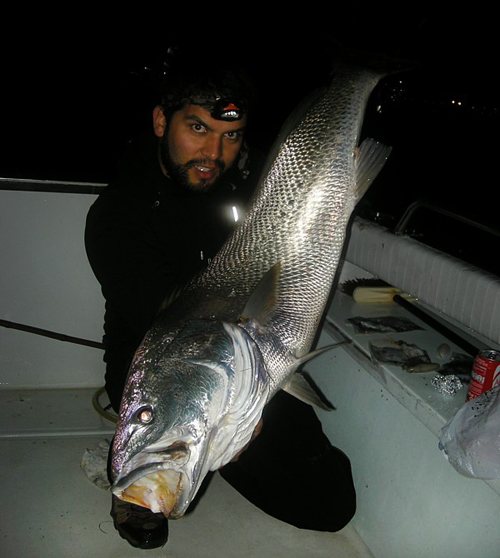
[(212, 147)]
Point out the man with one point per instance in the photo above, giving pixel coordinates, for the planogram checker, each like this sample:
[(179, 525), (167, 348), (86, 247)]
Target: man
[(175, 201), (168, 211)]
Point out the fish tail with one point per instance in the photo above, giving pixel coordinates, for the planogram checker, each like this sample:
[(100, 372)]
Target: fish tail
[(381, 63)]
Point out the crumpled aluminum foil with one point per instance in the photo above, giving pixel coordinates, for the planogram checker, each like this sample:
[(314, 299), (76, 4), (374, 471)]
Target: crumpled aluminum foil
[(448, 385)]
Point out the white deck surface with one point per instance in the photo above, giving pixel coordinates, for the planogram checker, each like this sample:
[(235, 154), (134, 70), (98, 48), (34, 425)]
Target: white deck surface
[(51, 509)]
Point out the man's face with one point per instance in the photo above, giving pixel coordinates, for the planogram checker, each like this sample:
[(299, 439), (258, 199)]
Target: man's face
[(196, 149)]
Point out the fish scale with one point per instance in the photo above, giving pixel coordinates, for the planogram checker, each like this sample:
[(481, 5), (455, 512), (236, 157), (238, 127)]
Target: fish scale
[(298, 219)]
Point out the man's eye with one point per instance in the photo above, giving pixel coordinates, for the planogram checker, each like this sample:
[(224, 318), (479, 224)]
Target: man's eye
[(198, 128), (234, 136)]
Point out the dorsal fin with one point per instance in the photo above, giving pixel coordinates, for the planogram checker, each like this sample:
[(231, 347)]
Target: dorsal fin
[(370, 160)]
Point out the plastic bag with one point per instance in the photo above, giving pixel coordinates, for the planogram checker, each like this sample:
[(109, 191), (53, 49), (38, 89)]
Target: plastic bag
[(471, 439)]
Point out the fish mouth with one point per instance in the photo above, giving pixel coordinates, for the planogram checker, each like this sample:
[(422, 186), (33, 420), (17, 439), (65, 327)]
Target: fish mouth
[(155, 487), (156, 480)]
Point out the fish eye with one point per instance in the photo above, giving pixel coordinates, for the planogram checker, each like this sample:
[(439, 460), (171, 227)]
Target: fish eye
[(145, 415)]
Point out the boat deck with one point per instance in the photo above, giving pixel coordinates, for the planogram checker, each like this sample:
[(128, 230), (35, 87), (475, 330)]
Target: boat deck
[(51, 508)]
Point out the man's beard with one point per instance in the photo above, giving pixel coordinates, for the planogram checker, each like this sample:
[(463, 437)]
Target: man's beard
[(180, 173)]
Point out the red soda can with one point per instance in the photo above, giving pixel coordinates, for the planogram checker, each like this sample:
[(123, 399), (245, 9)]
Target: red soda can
[(485, 373)]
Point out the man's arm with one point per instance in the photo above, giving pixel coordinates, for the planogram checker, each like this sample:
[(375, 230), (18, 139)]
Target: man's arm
[(136, 273)]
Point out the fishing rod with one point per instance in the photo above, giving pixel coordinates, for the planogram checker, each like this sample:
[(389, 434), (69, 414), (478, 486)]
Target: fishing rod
[(51, 334)]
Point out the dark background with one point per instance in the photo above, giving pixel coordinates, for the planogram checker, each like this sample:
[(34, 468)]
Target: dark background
[(72, 97)]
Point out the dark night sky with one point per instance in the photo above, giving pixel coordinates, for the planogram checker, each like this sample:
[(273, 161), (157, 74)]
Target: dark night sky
[(72, 99)]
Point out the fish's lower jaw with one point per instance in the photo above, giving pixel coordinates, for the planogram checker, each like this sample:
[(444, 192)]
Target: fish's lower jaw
[(160, 491)]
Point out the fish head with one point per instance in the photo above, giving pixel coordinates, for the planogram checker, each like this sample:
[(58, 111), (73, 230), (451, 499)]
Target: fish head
[(187, 409)]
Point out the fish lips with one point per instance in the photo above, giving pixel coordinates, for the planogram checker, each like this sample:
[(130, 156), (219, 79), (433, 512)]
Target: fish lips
[(156, 486), (164, 482)]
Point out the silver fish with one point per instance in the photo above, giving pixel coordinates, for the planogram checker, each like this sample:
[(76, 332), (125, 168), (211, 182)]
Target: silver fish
[(204, 372)]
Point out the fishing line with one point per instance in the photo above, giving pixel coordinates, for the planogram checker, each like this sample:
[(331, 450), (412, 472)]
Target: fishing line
[(103, 411), (51, 334)]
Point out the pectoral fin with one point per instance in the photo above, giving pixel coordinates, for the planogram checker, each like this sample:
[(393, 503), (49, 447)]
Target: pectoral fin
[(263, 300)]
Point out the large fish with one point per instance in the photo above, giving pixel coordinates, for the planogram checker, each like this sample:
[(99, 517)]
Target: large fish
[(203, 374)]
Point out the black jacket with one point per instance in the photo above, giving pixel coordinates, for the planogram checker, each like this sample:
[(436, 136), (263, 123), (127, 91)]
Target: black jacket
[(145, 237)]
